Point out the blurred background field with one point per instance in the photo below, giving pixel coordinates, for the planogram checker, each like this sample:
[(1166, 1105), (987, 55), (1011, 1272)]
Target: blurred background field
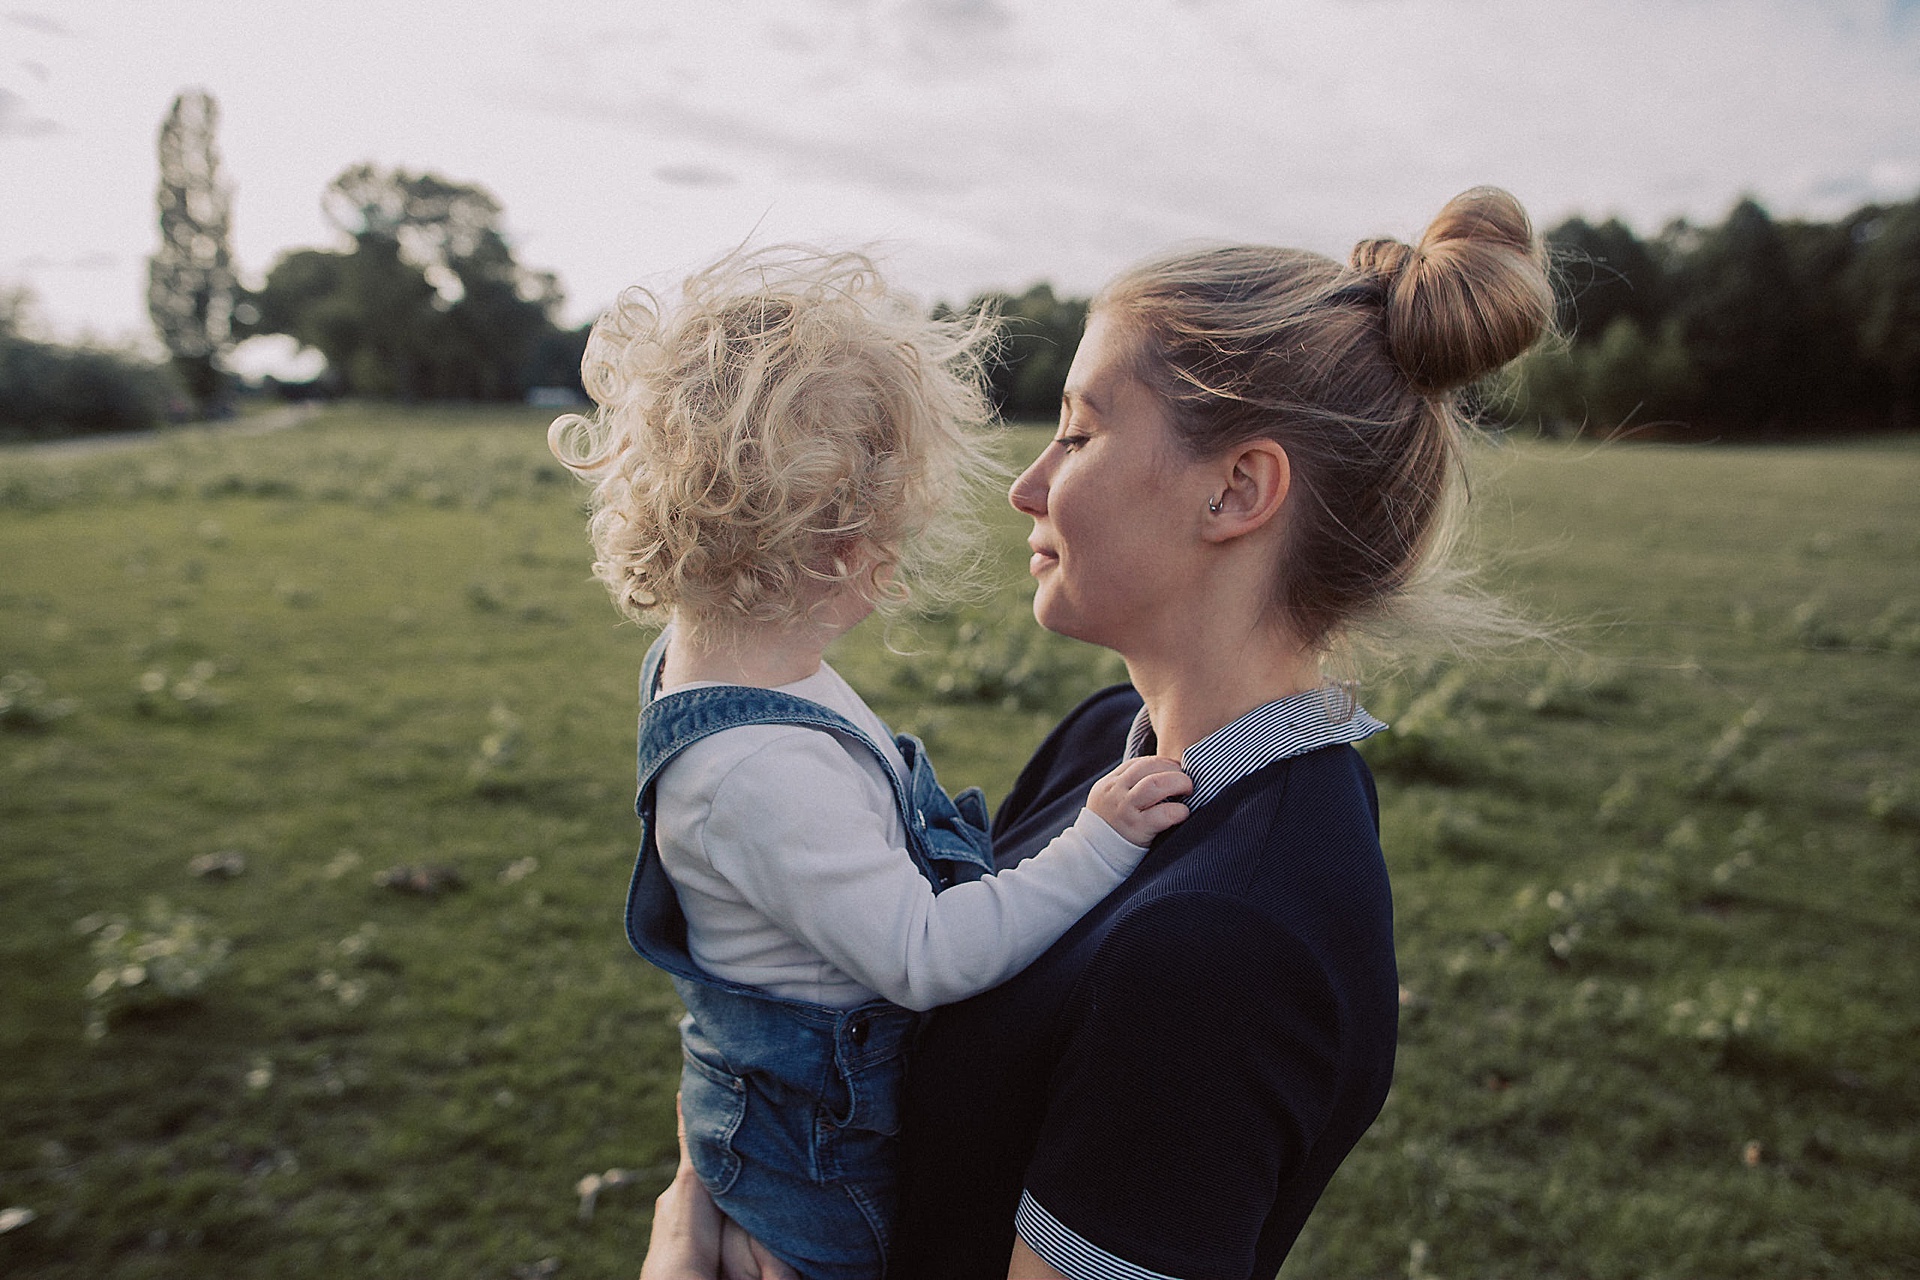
[(315, 823)]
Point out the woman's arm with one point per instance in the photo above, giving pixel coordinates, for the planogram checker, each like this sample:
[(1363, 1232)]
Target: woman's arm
[(1027, 1265), (693, 1240), (1200, 1063)]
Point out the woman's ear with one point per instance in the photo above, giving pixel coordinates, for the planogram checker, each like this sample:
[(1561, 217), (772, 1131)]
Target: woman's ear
[(1254, 481)]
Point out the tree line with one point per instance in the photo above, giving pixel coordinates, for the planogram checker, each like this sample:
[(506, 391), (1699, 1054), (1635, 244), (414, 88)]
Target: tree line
[(424, 301), (1751, 328)]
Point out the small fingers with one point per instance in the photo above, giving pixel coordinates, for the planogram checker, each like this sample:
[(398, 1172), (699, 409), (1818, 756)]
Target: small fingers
[(1131, 771), (1158, 785), (1166, 814)]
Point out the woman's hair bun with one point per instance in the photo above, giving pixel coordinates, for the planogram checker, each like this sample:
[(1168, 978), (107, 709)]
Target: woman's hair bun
[(1469, 297)]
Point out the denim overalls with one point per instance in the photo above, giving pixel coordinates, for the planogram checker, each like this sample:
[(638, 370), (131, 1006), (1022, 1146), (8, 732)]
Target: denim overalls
[(792, 1108)]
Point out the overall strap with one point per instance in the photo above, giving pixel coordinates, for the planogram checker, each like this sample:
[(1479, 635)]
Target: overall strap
[(672, 723), (946, 842)]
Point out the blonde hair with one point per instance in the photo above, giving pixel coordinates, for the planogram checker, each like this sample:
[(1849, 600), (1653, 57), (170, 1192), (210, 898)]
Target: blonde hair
[(1356, 370), (789, 426)]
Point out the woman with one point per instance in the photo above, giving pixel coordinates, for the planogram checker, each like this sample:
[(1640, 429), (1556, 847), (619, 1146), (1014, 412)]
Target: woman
[(1255, 462)]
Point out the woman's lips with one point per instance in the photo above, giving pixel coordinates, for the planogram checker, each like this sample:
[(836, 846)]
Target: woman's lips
[(1041, 559)]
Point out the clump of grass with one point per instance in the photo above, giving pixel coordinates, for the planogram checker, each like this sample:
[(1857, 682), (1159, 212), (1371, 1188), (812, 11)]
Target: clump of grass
[(1629, 897), (1721, 772), (493, 767), (1009, 665), (295, 595), (1619, 803), (1815, 628), (192, 696), (1722, 1019), (166, 957), (1745, 847), (1896, 629), (26, 704), (1581, 688), (1893, 802), (1434, 736)]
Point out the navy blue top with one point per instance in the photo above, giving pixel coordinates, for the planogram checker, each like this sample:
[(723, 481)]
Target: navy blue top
[(1175, 1080)]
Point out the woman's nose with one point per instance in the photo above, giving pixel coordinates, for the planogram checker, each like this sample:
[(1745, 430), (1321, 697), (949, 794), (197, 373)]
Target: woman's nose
[(1028, 493)]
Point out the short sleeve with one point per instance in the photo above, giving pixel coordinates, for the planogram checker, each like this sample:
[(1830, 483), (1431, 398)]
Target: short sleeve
[(1201, 1060)]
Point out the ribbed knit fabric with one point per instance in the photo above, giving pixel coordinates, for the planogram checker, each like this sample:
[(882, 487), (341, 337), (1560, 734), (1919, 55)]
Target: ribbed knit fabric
[(1174, 1082)]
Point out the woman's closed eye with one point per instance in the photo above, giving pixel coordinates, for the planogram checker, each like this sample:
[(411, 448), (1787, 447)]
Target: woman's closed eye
[(1070, 440)]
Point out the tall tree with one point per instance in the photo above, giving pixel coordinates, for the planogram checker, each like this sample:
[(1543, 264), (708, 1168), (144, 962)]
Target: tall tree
[(1038, 334), (1605, 272), (1885, 287), (429, 303), (1742, 314), (190, 281)]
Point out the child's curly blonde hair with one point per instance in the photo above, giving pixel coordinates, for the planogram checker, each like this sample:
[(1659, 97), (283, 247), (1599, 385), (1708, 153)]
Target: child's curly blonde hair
[(793, 425)]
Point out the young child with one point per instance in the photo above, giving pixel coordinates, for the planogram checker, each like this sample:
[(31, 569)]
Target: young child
[(789, 446)]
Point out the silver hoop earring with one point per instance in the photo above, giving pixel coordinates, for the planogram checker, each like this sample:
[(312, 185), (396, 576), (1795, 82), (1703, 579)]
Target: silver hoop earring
[(1213, 505)]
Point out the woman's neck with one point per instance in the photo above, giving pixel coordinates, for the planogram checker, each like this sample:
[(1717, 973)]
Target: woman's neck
[(1211, 679)]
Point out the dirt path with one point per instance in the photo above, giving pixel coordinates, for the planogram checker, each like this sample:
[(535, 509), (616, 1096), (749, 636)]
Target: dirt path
[(257, 424)]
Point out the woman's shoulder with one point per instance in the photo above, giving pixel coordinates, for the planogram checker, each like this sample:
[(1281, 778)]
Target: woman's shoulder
[(1281, 870)]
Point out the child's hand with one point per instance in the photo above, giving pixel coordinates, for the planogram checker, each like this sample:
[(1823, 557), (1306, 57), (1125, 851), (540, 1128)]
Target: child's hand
[(1134, 799)]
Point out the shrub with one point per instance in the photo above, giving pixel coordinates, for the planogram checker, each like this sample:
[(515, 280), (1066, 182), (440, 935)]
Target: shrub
[(1432, 736), (165, 959), (48, 390), (1721, 768), (26, 704)]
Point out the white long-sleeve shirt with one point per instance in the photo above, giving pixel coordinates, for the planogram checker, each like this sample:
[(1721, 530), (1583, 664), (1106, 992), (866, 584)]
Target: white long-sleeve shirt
[(790, 861)]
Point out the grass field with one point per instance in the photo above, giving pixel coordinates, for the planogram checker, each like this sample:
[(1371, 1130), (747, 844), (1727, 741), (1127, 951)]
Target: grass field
[(1658, 893)]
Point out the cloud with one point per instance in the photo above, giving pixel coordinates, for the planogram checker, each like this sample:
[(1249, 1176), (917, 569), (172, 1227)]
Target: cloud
[(98, 260), (17, 119), (971, 17), (694, 175), (794, 152), (38, 22)]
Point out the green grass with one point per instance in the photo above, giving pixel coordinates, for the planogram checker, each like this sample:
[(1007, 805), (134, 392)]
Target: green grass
[(1659, 949)]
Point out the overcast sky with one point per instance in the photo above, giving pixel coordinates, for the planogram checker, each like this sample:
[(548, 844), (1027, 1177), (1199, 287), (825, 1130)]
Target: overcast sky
[(979, 143)]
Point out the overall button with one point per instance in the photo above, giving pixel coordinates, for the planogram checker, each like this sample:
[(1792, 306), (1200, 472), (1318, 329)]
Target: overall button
[(857, 1033)]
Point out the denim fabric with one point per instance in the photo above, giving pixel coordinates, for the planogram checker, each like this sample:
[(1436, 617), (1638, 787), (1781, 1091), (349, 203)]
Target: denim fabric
[(792, 1108)]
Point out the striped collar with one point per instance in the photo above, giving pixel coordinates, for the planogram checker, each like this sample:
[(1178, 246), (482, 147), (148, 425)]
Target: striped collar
[(1289, 727)]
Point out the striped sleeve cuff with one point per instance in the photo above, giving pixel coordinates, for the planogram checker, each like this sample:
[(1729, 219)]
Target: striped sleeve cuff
[(1069, 1252)]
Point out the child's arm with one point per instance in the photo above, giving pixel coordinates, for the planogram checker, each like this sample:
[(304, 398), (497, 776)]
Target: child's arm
[(808, 842)]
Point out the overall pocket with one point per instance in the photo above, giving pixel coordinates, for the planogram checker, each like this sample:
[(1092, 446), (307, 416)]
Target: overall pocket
[(713, 1102)]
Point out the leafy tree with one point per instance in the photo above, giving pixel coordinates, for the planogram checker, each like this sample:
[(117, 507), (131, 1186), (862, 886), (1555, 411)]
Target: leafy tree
[(1743, 318), (1039, 333), (428, 303), (1839, 386), (48, 390), (1884, 287), (190, 281), (1605, 272)]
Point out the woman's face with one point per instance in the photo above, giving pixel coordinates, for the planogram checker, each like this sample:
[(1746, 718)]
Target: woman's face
[(1117, 507)]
